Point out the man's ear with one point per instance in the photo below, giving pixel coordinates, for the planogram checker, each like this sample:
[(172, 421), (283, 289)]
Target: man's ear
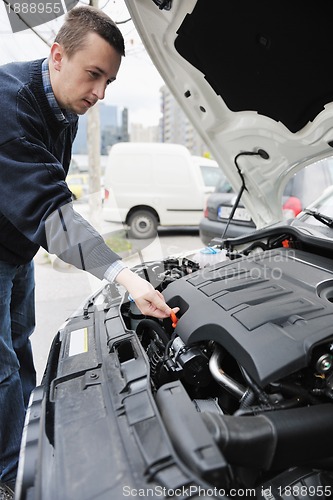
[(57, 53)]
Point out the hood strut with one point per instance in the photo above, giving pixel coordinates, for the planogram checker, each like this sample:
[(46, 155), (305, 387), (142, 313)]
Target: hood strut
[(263, 154)]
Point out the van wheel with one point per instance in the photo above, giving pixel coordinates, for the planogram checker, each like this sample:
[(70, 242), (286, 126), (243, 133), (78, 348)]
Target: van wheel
[(142, 224)]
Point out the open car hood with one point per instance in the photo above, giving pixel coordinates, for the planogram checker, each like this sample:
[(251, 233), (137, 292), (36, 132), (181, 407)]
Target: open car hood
[(254, 78)]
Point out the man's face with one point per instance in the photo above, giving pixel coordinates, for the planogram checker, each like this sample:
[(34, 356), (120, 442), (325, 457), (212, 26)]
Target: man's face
[(80, 81)]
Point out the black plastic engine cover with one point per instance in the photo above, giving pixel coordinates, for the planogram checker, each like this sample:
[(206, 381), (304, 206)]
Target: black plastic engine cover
[(268, 311)]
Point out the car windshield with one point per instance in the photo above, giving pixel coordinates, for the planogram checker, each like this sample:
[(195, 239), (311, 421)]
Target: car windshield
[(322, 207)]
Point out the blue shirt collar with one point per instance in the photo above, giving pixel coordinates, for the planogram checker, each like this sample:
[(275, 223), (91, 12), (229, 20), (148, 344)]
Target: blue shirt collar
[(61, 115)]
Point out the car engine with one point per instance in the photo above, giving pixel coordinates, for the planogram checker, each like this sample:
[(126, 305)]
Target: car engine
[(251, 355), (231, 398)]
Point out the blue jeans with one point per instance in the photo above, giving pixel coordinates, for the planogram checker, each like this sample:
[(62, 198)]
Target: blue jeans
[(17, 372)]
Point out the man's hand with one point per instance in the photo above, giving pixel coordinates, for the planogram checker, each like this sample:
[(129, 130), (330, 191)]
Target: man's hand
[(150, 301)]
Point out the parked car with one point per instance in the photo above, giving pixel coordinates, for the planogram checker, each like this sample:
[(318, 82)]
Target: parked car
[(78, 184), (234, 397), (300, 191)]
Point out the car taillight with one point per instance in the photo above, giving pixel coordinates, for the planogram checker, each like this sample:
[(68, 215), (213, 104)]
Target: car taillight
[(291, 207), (205, 213), (106, 194)]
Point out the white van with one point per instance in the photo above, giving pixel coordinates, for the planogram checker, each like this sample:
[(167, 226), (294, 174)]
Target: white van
[(156, 184)]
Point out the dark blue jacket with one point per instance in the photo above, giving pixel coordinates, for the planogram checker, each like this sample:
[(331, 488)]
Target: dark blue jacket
[(35, 201)]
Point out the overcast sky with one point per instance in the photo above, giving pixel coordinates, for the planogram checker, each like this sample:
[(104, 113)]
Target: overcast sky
[(138, 82)]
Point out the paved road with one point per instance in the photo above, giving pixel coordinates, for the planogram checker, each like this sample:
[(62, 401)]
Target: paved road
[(60, 289)]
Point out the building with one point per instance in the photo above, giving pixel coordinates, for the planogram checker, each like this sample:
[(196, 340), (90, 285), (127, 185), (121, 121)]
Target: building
[(175, 127), (111, 130), (140, 133)]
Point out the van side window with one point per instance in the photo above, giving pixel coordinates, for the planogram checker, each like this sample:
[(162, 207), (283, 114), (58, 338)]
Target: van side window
[(211, 175)]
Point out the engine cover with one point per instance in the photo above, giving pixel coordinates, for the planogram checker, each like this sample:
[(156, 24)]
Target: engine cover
[(268, 311)]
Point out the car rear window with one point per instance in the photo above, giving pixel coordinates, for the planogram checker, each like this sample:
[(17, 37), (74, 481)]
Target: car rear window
[(224, 186)]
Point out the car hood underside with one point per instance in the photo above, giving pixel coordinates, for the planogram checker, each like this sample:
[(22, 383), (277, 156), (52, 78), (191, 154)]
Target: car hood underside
[(255, 79)]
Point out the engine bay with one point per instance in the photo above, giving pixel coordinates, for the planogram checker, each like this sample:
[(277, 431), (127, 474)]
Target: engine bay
[(252, 354), (267, 317), (233, 397)]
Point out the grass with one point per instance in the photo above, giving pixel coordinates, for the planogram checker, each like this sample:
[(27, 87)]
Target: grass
[(118, 242)]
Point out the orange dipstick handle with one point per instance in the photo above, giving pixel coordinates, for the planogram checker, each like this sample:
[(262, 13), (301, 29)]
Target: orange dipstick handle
[(174, 319)]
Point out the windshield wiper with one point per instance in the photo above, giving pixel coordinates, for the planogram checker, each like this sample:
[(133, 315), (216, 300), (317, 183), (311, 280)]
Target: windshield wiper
[(328, 221)]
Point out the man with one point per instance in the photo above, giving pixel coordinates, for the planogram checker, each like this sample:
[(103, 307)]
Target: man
[(40, 101)]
